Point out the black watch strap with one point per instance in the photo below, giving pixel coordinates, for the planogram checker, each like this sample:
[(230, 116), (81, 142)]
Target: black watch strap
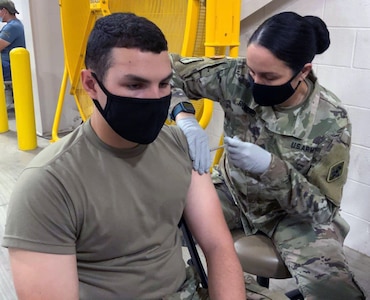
[(182, 107)]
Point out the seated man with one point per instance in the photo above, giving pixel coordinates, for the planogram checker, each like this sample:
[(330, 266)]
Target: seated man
[(95, 215)]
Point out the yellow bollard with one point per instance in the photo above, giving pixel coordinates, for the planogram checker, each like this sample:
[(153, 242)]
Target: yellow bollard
[(4, 125), (23, 98)]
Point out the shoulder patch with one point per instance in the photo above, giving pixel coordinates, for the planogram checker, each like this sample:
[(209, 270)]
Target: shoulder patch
[(335, 171), (189, 60)]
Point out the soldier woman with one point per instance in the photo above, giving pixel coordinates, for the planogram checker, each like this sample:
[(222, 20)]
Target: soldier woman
[(287, 143)]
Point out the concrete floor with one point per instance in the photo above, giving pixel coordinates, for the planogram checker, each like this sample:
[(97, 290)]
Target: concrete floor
[(12, 161)]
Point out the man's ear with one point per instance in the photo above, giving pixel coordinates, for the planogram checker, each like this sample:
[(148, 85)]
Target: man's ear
[(89, 83)]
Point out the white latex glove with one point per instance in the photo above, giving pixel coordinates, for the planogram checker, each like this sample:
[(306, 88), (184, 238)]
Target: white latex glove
[(247, 156), (198, 144)]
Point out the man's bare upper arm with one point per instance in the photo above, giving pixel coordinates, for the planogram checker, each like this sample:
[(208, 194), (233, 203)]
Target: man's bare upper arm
[(44, 276), (206, 221), (203, 212)]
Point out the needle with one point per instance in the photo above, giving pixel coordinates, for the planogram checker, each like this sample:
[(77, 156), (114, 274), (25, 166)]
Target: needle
[(216, 148)]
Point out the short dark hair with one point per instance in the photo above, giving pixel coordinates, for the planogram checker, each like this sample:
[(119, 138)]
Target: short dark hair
[(292, 38), (122, 30)]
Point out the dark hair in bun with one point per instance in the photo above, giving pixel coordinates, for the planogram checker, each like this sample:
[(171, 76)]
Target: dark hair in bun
[(292, 38)]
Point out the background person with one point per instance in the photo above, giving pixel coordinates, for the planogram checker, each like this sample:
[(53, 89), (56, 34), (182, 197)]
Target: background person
[(90, 218), (11, 36), (287, 148)]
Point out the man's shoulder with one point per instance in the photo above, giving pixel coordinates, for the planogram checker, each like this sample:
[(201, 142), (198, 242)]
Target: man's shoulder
[(14, 26), (55, 150), (12, 29), (173, 134), (14, 23)]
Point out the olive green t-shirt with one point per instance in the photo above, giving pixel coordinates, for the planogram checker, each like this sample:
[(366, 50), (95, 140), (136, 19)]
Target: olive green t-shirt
[(117, 210)]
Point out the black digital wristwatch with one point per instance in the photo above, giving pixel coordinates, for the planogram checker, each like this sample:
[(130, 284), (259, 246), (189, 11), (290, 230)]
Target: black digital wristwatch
[(182, 107)]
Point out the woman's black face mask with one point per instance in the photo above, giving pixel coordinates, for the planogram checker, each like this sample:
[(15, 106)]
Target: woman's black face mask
[(134, 119), (270, 95)]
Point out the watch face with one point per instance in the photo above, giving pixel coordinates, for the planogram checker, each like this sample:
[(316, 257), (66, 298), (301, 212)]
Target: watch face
[(182, 107), (188, 106)]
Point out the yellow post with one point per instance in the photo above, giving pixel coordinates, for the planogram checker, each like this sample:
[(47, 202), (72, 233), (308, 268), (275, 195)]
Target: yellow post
[(4, 125), (23, 98), (222, 26)]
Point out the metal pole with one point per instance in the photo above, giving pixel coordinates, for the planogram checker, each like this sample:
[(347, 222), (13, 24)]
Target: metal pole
[(23, 98), (58, 112)]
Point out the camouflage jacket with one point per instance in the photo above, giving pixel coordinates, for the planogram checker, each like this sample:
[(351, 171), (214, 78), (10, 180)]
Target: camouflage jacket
[(309, 144)]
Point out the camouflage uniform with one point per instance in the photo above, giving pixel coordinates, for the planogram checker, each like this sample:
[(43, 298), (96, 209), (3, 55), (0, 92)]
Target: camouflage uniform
[(192, 290), (296, 200)]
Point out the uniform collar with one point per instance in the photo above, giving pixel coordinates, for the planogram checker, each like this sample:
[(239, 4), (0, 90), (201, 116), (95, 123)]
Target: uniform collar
[(296, 122)]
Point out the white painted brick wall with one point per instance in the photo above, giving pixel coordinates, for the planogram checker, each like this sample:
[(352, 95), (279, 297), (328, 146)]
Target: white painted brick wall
[(347, 72), (344, 69)]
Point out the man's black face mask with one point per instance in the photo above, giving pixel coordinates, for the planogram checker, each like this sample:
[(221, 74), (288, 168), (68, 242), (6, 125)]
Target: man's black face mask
[(134, 119)]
